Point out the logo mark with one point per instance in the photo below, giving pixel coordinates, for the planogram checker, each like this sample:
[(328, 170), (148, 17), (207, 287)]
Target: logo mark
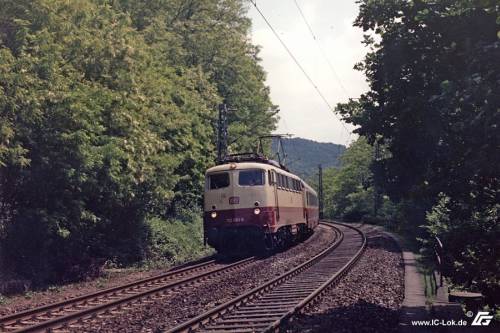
[(483, 318)]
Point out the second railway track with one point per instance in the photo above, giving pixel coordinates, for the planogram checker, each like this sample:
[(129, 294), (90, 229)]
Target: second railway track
[(262, 309), (62, 315), (266, 307)]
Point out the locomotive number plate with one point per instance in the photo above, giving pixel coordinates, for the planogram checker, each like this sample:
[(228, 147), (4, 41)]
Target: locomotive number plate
[(235, 220), (234, 200)]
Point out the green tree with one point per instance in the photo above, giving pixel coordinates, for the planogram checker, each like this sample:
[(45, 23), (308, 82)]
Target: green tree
[(106, 122), (350, 193), (433, 103), (212, 36), (347, 192), (470, 238)]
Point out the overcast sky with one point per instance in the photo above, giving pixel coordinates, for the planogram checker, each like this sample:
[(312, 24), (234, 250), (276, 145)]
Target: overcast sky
[(303, 112)]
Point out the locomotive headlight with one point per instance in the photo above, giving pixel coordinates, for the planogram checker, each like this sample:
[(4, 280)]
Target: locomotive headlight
[(213, 214), (256, 211)]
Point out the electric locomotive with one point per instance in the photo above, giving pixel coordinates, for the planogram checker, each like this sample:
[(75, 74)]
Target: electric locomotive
[(253, 203)]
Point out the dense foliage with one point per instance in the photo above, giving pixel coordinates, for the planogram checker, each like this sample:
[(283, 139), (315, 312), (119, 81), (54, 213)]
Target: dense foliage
[(349, 191), (107, 114), (303, 156), (434, 104)]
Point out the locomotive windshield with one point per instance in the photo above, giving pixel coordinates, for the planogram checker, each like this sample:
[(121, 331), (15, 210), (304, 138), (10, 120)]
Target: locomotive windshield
[(218, 180), (251, 177)]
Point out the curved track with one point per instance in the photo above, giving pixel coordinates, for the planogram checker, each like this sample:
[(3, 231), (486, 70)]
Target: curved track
[(265, 308), (261, 309), (113, 300)]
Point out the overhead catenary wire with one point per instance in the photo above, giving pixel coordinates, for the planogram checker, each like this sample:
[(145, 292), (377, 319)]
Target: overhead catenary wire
[(310, 80), (323, 53)]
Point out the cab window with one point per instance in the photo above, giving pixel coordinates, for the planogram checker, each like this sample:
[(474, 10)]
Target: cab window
[(218, 180), (251, 177)]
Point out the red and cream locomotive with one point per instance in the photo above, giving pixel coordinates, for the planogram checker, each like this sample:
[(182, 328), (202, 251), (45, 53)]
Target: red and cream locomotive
[(253, 203)]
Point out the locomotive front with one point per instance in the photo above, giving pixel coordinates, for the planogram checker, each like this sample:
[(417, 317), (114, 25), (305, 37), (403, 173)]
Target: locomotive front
[(238, 207)]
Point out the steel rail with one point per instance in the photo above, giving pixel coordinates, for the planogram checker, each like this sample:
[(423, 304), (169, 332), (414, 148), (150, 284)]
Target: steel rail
[(108, 297), (99, 293), (314, 296), (259, 313)]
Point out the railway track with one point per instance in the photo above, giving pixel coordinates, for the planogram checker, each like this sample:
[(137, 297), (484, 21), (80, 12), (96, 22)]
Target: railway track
[(66, 314), (266, 307), (247, 313)]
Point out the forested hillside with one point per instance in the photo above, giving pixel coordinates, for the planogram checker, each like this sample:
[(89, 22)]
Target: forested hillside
[(304, 156), (107, 115), (427, 161)]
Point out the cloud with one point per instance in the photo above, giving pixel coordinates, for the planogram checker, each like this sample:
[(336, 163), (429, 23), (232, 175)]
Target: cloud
[(303, 113)]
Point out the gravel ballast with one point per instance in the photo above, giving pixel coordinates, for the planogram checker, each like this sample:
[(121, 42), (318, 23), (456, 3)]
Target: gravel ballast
[(32, 299), (367, 299), (177, 307)]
